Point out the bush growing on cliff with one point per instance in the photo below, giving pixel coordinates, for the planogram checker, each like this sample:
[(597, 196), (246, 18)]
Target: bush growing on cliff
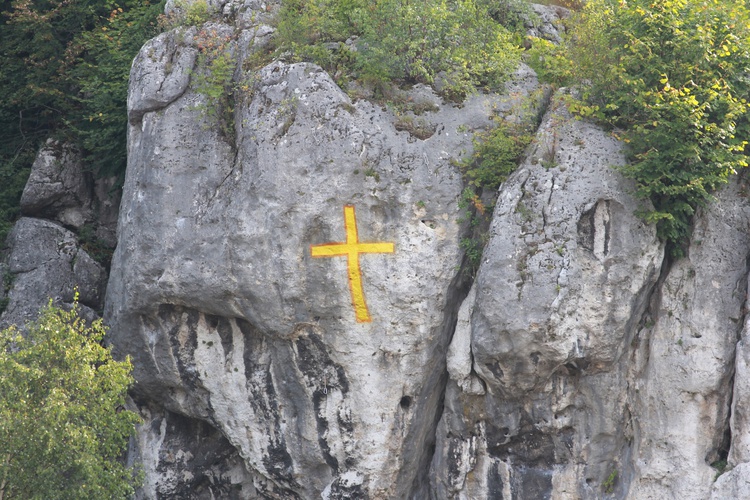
[(63, 427), (412, 41), (674, 75)]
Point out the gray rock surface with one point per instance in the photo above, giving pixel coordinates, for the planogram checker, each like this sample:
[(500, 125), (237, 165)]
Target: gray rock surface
[(187, 459), (579, 364), (548, 22), (45, 262), (107, 196), (564, 282), (598, 379), (733, 484), (230, 320), (685, 363), (59, 187)]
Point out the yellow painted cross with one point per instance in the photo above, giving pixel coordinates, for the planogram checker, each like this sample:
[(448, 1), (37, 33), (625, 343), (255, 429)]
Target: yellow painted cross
[(351, 250)]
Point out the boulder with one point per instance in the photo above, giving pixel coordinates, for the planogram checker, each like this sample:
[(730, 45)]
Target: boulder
[(45, 262)]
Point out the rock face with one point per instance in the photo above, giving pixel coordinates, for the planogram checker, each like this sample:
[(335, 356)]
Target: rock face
[(293, 285), (590, 367), (289, 281), (58, 187), (45, 260), (557, 304), (61, 189)]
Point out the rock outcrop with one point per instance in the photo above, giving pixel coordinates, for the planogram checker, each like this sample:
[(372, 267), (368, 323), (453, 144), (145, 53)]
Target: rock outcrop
[(58, 187), (45, 259), (61, 189), (324, 374), (557, 304), (590, 366), (290, 283)]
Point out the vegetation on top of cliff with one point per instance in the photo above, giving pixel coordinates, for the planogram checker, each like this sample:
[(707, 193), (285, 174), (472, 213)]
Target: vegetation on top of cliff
[(64, 70), (673, 79), (457, 42), (63, 426)]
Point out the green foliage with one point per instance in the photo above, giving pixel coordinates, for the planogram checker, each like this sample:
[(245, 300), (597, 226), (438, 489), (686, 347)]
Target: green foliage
[(402, 40), (513, 14), (197, 13), (100, 75), (64, 70), (7, 281), (550, 62), (418, 127), (674, 76), (609, 484), (473, 249), (213, 79), (63, 428), (497, 154), (186, 14), (720, 466), (96, 248), (477, 215)]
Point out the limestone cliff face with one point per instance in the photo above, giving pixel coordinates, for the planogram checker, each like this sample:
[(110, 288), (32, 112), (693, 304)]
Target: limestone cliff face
[(293, 292), (585, 365), (293, 285)]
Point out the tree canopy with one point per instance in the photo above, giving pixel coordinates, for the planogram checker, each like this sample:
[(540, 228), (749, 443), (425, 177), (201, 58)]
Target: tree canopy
[(63, 425), (64, 67)]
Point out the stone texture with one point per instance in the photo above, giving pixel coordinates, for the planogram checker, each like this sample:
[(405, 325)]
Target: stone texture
[(579, 364), (186, 458), (564, 282), (733, 484), (740, 449), (59, 187), (45, 262), (599, 380), (549, 22), (160, 72), (107, 195), (227, 317), (685, 363)]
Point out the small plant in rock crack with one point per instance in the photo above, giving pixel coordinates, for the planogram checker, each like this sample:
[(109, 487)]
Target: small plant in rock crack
[(473, 249), (371, 172), (720, 466), (609, 484), (497, 154), (96, 248), (418, 127), (477, 215), (213, 80)]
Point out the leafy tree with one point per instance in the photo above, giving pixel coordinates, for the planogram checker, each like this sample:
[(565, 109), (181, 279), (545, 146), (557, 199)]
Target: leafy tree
[(63, 427), (675, 76)]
